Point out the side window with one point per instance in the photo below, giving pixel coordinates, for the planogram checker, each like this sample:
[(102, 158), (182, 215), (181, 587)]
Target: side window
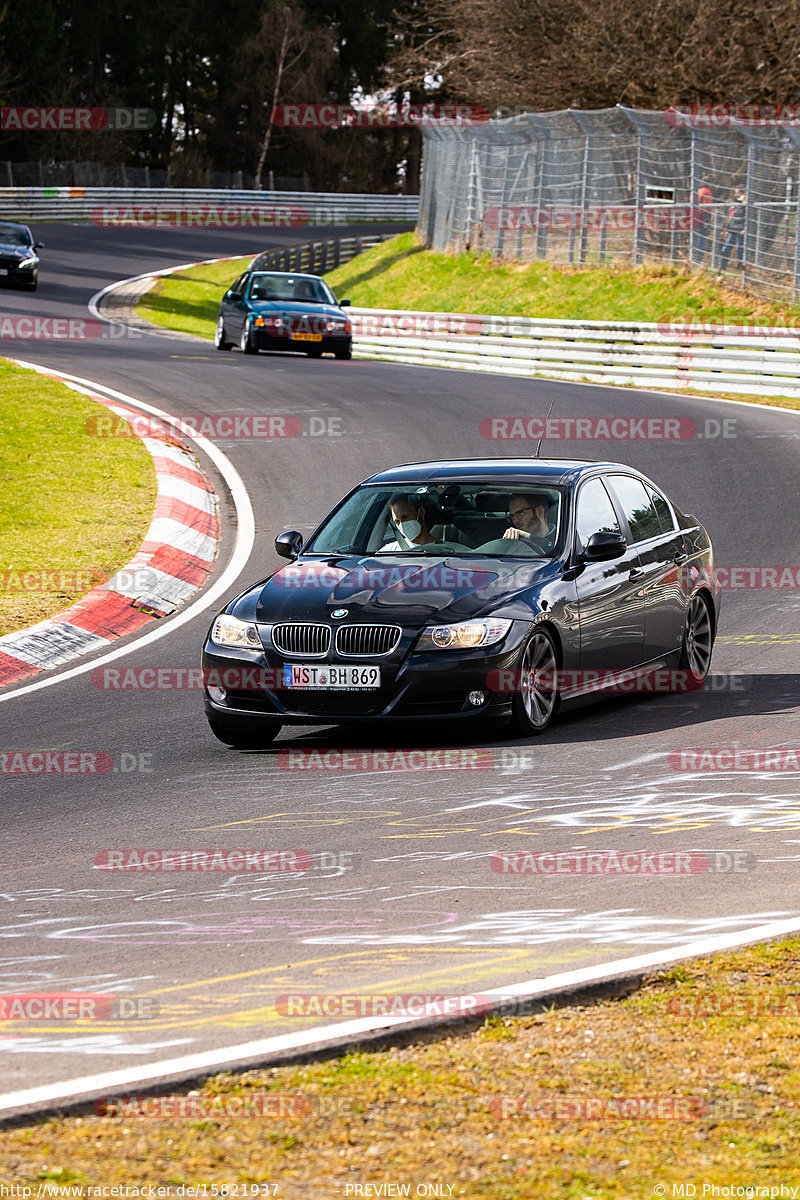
[(595, 513), (637, 506), (238, 284), (665, 517)]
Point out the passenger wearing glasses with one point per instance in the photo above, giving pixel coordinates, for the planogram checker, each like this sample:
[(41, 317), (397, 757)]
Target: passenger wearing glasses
[(528, 516)]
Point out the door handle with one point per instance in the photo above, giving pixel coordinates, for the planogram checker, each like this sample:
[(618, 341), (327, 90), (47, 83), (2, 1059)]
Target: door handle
[(680, 556), (635, 572)]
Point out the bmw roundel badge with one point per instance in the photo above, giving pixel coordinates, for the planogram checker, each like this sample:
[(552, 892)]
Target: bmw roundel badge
[(339, 612)]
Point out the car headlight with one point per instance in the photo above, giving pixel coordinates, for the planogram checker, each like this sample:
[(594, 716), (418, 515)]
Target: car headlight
[(464, 635), (27, 263), (338, 326), (230, 631)]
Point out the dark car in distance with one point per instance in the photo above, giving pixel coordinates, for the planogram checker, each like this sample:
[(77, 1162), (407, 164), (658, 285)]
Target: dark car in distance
[(272, 310), (467, 590), (19, 262)]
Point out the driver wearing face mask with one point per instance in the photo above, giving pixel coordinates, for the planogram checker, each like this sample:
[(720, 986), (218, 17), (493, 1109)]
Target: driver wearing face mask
[(409, 521)]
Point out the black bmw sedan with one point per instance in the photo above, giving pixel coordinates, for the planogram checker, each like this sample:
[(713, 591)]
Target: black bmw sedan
[(19, 262), (271, 310), (485, 588)]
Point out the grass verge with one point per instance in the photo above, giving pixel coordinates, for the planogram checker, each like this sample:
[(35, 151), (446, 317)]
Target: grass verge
[(75, 507), (719, 1034), (401, 274), (189, 300)]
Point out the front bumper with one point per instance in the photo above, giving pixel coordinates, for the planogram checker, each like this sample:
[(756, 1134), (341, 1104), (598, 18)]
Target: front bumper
[(11, 272), (414, 687), (329, 343)]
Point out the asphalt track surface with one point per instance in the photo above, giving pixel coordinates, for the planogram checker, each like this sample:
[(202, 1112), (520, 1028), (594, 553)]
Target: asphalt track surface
[(419, 910)]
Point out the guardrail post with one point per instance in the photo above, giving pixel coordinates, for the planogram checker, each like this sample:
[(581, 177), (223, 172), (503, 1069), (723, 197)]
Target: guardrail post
[(796, 273)]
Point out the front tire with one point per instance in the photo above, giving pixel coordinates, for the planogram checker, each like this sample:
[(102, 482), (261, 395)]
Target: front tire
[(314, 351), (698, 640), (244, 735), (246, 341), (345, 352), (536, 698), (220, 341)]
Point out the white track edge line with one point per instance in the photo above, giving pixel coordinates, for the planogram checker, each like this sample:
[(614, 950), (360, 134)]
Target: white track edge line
[(88, 1086), (243, 545)]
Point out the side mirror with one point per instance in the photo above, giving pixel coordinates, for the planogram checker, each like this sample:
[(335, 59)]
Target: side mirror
[(604, 546), (345, 303), (234, 295), (289, 544), (38, 245)]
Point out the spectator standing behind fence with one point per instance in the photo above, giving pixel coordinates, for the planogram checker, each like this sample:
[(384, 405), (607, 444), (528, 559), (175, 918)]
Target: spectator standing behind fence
[(701, 220), (734, 234)]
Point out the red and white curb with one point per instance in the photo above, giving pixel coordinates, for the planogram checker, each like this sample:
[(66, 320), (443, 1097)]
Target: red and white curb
[(172, 562)]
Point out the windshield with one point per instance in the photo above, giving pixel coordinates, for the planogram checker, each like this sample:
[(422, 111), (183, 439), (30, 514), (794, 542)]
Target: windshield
[(12, 235), (474, 519), (303, 289)]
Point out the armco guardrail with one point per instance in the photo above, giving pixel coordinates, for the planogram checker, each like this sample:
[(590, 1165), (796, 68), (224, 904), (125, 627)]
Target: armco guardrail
[(591, 351), (317, 257), (202, 208)]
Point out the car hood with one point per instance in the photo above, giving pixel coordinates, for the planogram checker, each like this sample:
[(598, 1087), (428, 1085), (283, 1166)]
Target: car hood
[(397, 589), (294, 308), (17, 251)]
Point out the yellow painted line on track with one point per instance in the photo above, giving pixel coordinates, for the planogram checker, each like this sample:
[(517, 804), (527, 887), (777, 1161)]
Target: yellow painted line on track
[(242, 1016), (758, 639), (318, 819)]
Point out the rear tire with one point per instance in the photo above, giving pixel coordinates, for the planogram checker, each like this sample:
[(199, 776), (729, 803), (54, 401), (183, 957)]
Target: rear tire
[(244, 735), (535, 704), (220, 341)]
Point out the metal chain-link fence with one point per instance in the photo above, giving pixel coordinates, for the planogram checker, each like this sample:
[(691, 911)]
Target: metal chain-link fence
[(619, 185)]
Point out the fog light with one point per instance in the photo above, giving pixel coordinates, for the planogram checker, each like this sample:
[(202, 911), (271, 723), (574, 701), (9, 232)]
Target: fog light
[(476, 698), (217, 694)]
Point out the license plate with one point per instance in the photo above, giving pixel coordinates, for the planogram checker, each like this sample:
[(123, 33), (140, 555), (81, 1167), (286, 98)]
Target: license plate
[(306, 337), (342, 678), (3, 270)]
